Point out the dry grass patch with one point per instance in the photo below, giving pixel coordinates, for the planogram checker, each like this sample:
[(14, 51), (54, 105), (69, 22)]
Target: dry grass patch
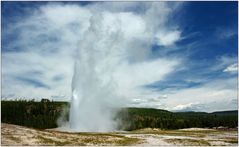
[(189, 142)]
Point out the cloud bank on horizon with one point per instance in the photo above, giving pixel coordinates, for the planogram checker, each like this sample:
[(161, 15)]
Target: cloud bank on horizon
[(168, 55)]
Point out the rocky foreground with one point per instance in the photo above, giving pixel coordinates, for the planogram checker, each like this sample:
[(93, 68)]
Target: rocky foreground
[(19, 135)]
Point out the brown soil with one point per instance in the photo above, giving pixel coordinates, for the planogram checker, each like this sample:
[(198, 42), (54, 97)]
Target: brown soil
[(19, 135)]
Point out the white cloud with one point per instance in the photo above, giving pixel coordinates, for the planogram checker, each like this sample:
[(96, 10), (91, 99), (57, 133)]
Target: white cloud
[(213, 96), (51, 37), (38, 68), (231, 68), (167, 38), (225, 33), (187, 107), (223, 62)]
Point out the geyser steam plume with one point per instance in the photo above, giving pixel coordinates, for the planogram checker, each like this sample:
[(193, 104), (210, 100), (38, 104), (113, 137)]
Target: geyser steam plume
[(112, 64), (94, 98)]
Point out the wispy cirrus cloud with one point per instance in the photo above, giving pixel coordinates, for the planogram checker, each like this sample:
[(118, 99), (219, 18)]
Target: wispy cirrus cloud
[(231, 68)]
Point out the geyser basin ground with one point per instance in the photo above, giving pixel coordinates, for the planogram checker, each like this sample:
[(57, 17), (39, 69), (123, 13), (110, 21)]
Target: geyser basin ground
[(18, 135)]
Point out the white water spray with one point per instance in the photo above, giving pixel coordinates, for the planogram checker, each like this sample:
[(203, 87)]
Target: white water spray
[(111, 64), (94, 99)]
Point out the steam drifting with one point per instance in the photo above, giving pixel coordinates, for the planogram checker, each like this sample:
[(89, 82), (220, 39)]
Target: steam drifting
[(93, 84), (111, 62)]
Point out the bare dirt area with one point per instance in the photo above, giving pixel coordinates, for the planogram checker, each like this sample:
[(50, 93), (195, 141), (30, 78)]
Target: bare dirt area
[(18, 135)]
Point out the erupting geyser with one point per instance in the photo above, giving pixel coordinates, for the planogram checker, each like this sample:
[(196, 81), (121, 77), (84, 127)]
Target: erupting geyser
[(112, 63), (94, 99)]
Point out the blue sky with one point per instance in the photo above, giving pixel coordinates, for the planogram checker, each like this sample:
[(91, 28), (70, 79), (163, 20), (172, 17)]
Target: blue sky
[(205, 26), (196, 40)]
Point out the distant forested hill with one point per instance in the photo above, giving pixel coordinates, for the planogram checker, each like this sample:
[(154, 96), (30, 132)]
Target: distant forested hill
[(226, 112), (44, 114), (41, 115), (136, 118)]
